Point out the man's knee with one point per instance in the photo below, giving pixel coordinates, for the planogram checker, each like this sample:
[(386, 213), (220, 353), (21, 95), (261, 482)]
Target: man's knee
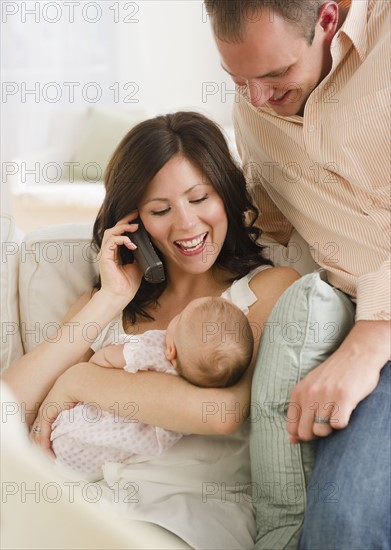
[(349, 523), (343, 527)]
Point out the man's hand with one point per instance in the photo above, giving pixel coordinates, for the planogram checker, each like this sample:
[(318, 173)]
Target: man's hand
[(325, 399)]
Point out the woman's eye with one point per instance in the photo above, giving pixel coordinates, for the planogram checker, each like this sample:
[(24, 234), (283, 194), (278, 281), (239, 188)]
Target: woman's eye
[(160, 212), (199, 200)]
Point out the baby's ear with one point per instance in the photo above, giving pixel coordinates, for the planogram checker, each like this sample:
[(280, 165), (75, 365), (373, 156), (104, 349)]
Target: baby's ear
[(171, 353)]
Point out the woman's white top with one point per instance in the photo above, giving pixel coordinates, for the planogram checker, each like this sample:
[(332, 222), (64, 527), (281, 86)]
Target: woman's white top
[(200, 489)]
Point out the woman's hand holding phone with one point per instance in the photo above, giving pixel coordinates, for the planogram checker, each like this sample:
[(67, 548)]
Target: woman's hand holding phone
[(117, 278)]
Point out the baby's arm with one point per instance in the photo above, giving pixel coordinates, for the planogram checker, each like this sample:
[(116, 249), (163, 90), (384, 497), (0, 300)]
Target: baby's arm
[(111, 356)]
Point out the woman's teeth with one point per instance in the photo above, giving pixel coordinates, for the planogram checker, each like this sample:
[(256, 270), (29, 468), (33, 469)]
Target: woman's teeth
[(193, 244)]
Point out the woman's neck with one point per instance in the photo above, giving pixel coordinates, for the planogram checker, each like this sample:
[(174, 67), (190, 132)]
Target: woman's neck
[(180, 291), (187, 287)]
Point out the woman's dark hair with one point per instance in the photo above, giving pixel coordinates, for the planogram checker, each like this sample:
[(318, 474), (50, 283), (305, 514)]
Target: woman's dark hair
[(139, 157)]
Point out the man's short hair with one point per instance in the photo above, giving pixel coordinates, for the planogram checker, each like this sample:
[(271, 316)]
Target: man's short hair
[(229, 17)]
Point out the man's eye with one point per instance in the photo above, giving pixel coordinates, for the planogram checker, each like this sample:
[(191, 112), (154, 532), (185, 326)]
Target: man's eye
[(283, 73)]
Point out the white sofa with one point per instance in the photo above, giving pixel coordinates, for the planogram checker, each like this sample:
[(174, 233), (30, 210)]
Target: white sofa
[(40, 509), (42, 274)]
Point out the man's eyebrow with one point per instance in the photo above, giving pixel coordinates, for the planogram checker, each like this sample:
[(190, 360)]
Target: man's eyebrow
[(271, 74)]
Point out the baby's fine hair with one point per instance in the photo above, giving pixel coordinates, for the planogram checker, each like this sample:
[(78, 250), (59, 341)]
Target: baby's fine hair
[(215, 344)]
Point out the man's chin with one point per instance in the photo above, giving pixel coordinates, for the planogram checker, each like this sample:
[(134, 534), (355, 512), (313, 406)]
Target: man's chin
[(289, 109)]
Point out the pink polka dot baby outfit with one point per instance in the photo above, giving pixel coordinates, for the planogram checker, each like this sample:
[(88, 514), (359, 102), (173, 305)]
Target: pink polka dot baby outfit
[(85, 438)]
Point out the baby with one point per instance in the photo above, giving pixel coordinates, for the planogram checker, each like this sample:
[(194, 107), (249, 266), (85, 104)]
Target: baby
[(210, 344)]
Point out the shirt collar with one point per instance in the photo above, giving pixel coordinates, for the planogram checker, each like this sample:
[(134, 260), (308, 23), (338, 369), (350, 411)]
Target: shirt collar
[(355, 26)]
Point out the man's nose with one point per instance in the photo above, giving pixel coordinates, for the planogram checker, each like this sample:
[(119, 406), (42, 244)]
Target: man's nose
[(259, 92)]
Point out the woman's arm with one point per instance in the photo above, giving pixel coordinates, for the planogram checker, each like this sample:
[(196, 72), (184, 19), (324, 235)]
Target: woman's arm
[(149, 397), (33, 375), (164, 400), (268, 286)]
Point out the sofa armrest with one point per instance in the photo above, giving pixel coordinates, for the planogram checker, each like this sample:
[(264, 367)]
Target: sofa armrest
[(11, 342), (56, 265), (41, 508)]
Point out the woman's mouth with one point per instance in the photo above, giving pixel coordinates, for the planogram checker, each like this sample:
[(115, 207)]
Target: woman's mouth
[(192, 246)]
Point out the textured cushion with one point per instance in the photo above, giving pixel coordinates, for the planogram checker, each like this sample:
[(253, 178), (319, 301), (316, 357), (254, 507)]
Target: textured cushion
[(57, 266), (102, 132), (11, 343), (309, 322)]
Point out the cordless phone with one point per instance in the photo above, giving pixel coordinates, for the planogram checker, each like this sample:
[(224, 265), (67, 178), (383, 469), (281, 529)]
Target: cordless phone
[(145, 255)]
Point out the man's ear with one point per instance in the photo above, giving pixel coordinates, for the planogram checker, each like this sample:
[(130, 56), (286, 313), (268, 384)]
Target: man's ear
[(328, 17)]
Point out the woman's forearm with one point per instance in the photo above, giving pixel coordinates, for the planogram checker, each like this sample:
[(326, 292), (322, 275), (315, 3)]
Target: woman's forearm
[(158, 399), (32, 376)]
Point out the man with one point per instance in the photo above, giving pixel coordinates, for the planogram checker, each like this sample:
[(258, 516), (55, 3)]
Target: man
[(311, 119)]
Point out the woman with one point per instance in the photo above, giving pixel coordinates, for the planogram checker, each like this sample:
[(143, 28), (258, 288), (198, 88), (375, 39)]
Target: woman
[(177, 174)]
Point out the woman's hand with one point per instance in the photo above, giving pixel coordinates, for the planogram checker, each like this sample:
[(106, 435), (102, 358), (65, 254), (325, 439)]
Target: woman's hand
[(32, 376), (118, 278), (57, 400)]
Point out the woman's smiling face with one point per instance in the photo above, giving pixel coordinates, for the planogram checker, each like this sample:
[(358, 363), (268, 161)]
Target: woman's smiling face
[(184, 216)]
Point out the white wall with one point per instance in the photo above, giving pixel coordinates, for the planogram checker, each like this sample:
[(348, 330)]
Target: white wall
[(155, 55), (171, 54)]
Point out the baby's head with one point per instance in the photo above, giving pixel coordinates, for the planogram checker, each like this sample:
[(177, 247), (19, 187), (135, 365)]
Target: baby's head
[(210, 343)]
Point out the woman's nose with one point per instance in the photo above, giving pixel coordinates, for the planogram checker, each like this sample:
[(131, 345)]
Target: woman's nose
[(185, 218)]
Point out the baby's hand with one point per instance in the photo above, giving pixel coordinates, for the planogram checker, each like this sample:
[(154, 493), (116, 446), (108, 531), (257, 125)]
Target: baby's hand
[(99, 359), (110, 356)]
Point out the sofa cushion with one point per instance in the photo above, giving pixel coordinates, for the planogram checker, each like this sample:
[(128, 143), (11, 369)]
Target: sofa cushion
[(57, 265), (308, 323), (11, 342)]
